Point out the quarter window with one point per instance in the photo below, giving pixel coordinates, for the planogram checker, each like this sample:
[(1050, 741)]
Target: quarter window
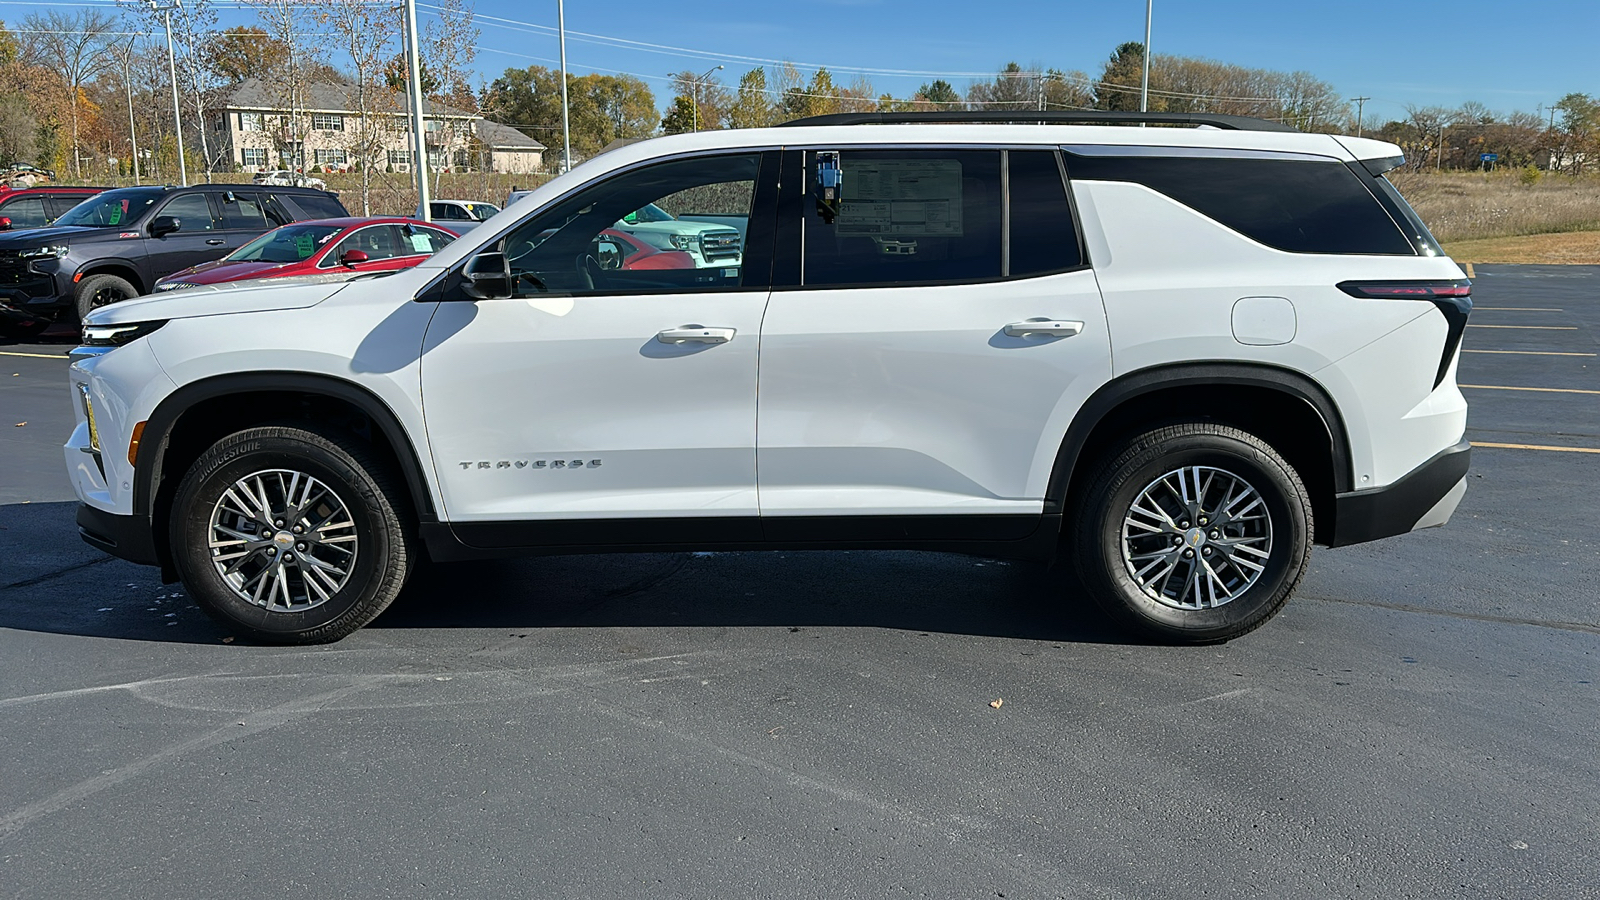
[(1302, 206), (903, 217)]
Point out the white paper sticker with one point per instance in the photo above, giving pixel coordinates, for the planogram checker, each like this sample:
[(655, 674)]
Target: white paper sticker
[(421, 244), (901, 198)]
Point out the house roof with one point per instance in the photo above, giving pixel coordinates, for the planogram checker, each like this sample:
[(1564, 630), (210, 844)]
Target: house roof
[(321, 96), (504, 137)]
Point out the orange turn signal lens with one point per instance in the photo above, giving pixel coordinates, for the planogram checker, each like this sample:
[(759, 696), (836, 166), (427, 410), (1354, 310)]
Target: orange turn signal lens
[(133, 444)]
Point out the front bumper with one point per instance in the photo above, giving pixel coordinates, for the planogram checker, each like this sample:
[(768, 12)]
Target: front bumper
[(128, 537), (1425, 497)]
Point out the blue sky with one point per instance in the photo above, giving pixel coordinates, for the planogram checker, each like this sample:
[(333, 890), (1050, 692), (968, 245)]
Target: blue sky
[(1507, 56)]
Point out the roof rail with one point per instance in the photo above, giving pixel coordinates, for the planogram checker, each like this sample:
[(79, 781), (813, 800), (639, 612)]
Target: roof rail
[(1051, 117)]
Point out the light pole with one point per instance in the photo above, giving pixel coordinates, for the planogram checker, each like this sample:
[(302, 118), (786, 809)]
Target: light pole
[(127, 82), (419, 141), (566, 127), (1144, 79), (694, 98), (1361, 106), (172, 71)]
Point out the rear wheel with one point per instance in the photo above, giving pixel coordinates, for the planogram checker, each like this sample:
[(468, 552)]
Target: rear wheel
[(291, 535), (102, 290), (1193, 533)]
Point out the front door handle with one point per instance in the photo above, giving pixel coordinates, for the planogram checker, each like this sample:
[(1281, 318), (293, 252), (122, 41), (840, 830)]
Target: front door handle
[(696, 334), (215, 242), (1044, 328)]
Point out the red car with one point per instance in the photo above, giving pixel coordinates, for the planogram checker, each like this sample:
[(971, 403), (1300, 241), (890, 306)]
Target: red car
[(637, 255), (321, 246), (37, 207)]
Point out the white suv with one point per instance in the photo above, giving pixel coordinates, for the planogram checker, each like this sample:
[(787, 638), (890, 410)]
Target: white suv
[(1169, 358)]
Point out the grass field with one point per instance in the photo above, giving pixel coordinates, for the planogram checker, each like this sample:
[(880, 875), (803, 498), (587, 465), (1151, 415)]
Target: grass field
[(1470, 206), (1573, 248)]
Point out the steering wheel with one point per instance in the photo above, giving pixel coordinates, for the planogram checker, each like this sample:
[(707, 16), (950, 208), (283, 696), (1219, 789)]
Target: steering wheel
[(588, 271)]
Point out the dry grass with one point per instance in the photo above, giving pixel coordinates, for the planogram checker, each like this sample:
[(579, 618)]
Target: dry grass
[(1466, 206), (1570, 248)]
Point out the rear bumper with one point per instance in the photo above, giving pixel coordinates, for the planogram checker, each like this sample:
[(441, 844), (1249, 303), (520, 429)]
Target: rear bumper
[(128, 537), (1425, 497)]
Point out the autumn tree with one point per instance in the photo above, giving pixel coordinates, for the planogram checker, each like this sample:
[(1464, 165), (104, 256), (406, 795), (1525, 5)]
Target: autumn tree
[(603, 108), (1120, 78), (709, 99), (73, 48), (241, 52), (365, 33), (1034, 87)]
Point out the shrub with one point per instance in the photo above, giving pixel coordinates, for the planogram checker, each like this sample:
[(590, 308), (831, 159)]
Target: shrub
[(1530, 174)]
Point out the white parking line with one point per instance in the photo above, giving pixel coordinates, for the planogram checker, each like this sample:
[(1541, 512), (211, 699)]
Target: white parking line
[(1532, 352)]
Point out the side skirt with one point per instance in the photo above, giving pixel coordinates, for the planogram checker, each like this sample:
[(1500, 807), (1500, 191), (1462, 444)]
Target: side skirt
[(1024, 537)]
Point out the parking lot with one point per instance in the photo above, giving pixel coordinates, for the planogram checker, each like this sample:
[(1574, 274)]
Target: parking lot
[(1421, 721)]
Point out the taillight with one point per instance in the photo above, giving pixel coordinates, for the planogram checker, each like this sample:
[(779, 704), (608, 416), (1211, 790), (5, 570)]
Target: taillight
[(1453, 298)]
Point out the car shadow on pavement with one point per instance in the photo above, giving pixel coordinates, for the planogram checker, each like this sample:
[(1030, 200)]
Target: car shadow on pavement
[(50, 581)]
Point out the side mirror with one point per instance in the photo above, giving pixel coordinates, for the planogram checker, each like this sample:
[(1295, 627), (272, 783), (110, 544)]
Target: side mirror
[(5, 223), (162, 226), (488, 276), (351, 257), (608, 253)]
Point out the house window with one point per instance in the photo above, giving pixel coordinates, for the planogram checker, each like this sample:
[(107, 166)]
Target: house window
[(254, 156), (436, 158), (250, 121), (330, 157), (433, 125), (327, 122), (399, 157)]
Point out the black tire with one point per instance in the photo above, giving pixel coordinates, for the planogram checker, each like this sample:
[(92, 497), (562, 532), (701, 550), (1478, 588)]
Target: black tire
[(384, 551), (1096, 534), (102, 290)]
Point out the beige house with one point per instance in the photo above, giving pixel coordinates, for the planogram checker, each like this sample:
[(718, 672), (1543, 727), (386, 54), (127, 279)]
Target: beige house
[(252, 130)]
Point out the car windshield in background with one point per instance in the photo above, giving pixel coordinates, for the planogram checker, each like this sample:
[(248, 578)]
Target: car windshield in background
[(482, 211), (649, 213), (288, 244), (111, 208)]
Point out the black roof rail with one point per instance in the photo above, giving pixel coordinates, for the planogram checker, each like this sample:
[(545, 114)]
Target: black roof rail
[(1051, 117)]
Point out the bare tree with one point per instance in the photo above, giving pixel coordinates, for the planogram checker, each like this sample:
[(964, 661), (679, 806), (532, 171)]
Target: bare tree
[(284, 21), (366, 35), (72, 46), (449, 46)]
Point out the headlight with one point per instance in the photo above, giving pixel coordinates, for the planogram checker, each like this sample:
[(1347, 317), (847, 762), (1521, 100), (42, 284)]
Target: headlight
[(117, 335), (173, 286), (682, 241), (55, 251)]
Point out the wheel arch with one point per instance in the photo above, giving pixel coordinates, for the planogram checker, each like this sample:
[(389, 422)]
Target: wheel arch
[(1289, 410), (194, 416), (121, 268)]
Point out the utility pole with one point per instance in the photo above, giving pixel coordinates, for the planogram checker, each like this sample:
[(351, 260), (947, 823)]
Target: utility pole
[(419, 158), (1144, 79), (1439, 161), (1361, 105), (127, 82), (694, 98), (172, 71), (566, 125)]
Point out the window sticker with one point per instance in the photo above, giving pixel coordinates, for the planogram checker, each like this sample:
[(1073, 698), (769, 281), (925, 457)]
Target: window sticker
[(421, 244), (903, 198), (305, 244), (116, 216)]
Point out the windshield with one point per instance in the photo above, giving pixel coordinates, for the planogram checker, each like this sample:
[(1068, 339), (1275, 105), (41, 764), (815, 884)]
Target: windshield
[(111, 208), (291, 243), (482, 211)]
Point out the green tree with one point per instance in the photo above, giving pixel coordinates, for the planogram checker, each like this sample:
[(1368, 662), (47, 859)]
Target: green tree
[(680, 117), (938, 95), (819, 97), (752, 106), (602, 108), (1118, 88)]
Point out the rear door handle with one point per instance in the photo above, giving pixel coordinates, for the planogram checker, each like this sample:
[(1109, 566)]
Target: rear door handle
[(1044, 328), (215, 242), (696, 334)]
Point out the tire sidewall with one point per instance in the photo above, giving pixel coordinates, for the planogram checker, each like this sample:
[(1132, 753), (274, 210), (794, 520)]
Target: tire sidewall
[(1290, 535), (87, 288), (235, 459)]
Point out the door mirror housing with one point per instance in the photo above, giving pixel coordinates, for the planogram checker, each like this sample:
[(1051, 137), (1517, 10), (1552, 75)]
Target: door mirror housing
[(162, 226), (488, 276), (352, 257)]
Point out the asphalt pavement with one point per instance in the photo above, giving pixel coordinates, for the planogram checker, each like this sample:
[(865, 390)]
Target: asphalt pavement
[(1419, 722)]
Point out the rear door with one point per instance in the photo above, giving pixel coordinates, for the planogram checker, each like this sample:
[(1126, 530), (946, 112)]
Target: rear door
[(927, 341), (244, 218)]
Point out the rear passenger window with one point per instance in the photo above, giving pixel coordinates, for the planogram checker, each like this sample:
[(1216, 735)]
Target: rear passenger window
[(904, 217), (317, 206), (243, 212), (1302, 206), (1043, 237)]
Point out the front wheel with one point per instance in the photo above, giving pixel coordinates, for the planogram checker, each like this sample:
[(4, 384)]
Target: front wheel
[(294, 536), (1192, 533)]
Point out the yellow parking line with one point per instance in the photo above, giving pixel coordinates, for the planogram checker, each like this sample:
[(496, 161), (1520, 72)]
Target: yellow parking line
[(1501, 387), (1531, 327), (34, 355), (1537, 447), (1519, 308), (1531, 352)]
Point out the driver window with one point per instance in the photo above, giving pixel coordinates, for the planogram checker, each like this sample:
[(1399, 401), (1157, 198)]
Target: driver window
[(668, 228)]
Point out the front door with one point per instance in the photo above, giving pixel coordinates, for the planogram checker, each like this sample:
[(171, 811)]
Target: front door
[(595, 392), (933, 328), (199, 237)]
